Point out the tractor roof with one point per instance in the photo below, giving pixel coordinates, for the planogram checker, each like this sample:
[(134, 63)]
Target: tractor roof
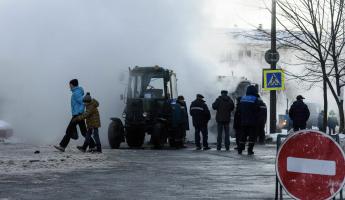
[(154, 69)]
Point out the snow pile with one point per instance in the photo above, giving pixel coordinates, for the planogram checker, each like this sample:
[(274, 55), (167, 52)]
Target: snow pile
[(26, 159), (273, 136)]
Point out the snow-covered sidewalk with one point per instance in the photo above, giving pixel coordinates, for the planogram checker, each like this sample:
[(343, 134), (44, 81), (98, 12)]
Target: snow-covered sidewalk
[(21, 158)]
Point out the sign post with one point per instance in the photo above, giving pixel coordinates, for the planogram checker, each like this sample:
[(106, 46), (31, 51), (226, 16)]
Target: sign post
[(311, 165), (273, 80)]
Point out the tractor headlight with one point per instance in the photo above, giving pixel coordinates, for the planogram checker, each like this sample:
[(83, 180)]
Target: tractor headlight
[(145, 114), (124, 115)]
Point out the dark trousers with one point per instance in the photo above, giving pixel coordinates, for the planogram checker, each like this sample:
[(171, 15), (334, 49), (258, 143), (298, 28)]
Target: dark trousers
[(238, 136), (178, 133), (331, 130), (297, 127), (223, 126), (261, 133), (95, 137), (204, 132), (250, 133), (72, 129)]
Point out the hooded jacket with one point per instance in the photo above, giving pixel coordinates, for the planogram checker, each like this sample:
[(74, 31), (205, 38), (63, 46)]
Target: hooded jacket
[(224, 106), (249, 108), (91, 115), (77, 105)]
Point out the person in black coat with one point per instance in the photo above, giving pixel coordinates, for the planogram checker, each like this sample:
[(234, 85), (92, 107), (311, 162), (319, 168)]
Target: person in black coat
[(261, 121), (201, 116), (249, 108), (185, 125), (224, 106), (299, 114), (332, 122)]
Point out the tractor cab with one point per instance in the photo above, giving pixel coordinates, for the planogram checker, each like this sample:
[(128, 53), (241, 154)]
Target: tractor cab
[(148, 103)]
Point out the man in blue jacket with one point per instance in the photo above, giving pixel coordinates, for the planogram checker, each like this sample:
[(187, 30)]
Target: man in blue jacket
[(78, 108), (249, 109)]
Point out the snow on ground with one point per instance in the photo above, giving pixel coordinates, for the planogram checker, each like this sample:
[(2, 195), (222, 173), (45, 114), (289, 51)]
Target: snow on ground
[(21, 158), (18, 158)]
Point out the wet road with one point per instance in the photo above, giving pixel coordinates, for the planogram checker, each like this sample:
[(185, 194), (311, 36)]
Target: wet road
[(142, 174)]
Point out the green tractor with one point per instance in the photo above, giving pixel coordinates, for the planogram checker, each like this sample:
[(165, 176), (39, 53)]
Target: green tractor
[(148, 110)]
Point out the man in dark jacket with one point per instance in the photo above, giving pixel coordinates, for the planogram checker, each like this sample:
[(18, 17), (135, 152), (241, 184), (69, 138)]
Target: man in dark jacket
[(262, 119), (224, 106), (299, 114), (177, 125), (201, 116), (185, 126), (332, 122), (249, 108)]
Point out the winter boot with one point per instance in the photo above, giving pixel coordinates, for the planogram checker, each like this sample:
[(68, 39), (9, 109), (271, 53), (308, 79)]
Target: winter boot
[(60, 148), (91, 150), (250, 149), (82, 149), (241, 148), (206, 148), (97, 151)]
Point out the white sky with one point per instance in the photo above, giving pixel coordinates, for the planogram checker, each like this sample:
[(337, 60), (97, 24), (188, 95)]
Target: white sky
[(243, 13)]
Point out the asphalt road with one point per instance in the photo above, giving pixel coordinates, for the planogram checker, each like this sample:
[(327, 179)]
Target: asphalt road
[(137, 174)]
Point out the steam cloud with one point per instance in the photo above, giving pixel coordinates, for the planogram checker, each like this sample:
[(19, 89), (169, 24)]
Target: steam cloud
[(44, 44)]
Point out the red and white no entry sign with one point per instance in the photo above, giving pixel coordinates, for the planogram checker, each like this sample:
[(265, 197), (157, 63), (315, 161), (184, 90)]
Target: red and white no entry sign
[(311, 165)]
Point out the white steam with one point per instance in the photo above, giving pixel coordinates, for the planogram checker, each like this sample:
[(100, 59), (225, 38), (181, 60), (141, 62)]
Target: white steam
[(44, 44)]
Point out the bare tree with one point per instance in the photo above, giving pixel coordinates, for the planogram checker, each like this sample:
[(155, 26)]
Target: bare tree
[(315, 28)]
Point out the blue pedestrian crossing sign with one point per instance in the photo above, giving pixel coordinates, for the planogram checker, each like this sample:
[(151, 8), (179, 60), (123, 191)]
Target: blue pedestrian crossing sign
[(273, 79)]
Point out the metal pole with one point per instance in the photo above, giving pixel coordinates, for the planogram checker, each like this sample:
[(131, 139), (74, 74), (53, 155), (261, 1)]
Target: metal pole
[(273, 94), (277, 190)]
